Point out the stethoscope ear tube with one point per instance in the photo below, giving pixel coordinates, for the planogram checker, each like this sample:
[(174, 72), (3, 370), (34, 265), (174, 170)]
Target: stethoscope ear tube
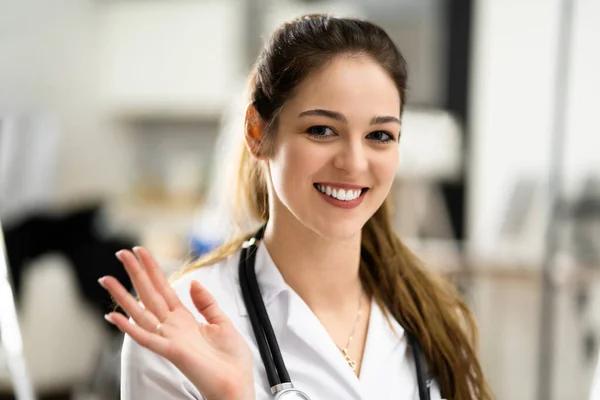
[(263, 316), (263, 330), (421, 367), (263, 347)]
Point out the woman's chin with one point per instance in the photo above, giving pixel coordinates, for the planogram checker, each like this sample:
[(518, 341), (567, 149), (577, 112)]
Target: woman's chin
[(339, 230)]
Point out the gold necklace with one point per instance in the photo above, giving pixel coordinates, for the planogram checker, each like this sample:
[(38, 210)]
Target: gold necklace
[(350, 361)]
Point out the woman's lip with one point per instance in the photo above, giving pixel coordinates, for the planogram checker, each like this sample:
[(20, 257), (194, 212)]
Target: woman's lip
[(341, 203), (341, 185)]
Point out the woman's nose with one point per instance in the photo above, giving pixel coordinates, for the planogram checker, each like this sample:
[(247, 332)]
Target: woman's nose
[(352, 157)]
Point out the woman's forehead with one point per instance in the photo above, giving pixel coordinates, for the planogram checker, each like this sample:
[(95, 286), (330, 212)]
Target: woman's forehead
[(350, 85)]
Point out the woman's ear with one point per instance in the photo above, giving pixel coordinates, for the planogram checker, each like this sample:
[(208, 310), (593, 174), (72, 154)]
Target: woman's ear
[(254, 129)]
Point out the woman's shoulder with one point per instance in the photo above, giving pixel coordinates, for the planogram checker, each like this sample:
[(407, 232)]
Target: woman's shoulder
[(219, 278)]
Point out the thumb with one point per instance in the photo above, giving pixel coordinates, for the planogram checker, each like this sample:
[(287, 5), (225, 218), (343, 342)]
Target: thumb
[(206, 304)]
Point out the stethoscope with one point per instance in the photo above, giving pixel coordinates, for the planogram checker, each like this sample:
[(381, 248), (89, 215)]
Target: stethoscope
[(279, 378)]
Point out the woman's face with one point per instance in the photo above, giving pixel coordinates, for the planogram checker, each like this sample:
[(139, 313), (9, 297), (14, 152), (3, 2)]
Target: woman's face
[(336, 148)]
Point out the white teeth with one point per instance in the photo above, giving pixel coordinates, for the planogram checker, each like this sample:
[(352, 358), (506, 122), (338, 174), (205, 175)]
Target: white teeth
[(340, 194)]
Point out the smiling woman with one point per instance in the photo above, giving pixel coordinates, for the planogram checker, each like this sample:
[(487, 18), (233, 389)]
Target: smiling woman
[(324, 301), (326, 136)]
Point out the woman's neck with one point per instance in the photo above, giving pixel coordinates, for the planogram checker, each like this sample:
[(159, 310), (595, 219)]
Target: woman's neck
[(324, 272)]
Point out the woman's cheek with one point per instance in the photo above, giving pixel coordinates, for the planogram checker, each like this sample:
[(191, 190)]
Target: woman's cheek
[(385, 168)]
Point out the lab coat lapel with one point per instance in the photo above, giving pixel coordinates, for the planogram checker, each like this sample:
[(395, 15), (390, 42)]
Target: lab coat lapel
[(305, 325), (383, 341), (269, 279)]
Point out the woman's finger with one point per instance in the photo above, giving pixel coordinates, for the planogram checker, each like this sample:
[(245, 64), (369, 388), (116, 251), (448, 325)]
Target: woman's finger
[(152, 299), (206, 304), (157, 276), (129, 304), (151, 341)]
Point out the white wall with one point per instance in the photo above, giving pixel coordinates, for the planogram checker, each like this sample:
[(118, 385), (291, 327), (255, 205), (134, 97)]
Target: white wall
[(514, 57), (88, 63), (40, 60), (582, 144), (180, 57), (49, 67)]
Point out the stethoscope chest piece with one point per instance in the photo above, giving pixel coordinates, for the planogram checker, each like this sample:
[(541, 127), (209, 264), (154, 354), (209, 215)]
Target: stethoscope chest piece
[(286, 391), (291, 394)]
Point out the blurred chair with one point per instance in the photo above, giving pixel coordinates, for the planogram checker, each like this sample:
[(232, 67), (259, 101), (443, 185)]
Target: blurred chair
[(62, 334)]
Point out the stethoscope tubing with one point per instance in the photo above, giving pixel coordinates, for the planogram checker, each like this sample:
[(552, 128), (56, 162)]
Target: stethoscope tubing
[(268, 346)]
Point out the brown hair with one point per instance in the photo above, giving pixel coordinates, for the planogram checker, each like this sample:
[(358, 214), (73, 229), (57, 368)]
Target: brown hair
[(423, 303)]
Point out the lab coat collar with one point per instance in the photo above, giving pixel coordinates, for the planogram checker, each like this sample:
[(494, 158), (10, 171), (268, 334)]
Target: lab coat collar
[(389, 332), (269, 279), (385, 338)]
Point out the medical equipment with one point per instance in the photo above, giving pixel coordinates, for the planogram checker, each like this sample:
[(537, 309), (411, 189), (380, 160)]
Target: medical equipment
[(277, 374)]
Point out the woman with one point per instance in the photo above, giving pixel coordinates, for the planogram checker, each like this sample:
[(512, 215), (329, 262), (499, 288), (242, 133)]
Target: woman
[(343, 294)]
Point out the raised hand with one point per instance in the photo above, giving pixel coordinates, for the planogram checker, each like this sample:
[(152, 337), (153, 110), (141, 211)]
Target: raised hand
[(212, 355)]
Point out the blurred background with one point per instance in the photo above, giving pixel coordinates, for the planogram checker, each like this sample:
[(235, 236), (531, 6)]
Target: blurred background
[(115, 122)]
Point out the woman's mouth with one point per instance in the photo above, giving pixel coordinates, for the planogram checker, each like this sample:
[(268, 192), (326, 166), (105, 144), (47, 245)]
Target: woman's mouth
[(341, 197)]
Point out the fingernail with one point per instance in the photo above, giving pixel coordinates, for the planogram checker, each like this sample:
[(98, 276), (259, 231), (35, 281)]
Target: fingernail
[(136, 250), (108, 317), (118, 254), (101, 282)]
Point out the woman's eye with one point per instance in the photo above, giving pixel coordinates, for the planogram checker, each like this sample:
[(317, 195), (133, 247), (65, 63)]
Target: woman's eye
[(320, 131), (381, 136)]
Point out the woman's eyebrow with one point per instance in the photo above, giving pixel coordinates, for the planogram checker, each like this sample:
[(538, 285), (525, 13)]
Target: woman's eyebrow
[(384, 120), (340, 117), (325, 113)]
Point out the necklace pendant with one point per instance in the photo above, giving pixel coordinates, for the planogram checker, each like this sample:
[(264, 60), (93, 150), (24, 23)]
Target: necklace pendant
[(351, 362)]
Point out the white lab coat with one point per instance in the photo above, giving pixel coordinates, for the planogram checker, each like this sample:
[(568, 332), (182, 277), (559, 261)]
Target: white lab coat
[(313, 360)]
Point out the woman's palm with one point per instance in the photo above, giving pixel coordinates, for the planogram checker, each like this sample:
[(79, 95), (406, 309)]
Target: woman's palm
[(212, 355)]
